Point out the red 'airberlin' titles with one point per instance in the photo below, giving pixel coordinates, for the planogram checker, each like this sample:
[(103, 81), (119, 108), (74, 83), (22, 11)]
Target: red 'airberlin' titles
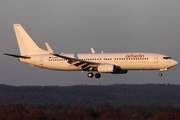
[(134, 56)]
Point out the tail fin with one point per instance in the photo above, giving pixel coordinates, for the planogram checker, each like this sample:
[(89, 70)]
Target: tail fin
[(26, 45)]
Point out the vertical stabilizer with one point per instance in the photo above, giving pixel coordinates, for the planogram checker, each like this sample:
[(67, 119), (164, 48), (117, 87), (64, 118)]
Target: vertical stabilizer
[(26, 45)]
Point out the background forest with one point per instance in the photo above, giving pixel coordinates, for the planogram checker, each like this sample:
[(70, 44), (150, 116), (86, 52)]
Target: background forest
[(85, 102)]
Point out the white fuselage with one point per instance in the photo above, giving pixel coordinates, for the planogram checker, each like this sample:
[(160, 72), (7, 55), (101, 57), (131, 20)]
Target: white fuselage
[(126, 61), (114, 63)]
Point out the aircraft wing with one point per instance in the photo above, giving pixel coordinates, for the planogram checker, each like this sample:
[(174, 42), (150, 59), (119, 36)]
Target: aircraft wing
[(81, 64)]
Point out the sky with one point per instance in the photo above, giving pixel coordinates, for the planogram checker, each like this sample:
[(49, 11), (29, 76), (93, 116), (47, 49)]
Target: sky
[(73, 26)]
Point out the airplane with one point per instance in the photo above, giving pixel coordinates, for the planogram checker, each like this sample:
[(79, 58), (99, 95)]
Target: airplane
[(114, 63)]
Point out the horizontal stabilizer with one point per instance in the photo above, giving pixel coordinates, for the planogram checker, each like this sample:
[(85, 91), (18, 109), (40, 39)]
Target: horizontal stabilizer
[(17, 56)]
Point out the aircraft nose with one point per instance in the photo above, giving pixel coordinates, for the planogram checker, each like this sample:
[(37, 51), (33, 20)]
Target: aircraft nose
[(174, 62)]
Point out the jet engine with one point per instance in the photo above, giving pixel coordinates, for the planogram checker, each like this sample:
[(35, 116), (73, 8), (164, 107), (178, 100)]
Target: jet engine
[(106, 68), (120, 72)]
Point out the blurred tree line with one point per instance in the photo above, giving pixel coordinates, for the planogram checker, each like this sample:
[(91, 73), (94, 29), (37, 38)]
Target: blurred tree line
[(56, 112), (90, 102), (149, 95)]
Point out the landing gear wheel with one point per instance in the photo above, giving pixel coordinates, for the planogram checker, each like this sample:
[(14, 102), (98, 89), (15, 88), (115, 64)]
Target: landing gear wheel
[(160, 74), (97, 75), (90, 75)]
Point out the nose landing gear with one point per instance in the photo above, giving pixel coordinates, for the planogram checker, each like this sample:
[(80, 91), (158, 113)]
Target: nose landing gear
[(160, 74)]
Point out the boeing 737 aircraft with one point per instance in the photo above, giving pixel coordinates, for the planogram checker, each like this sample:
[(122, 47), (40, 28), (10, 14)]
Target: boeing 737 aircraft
[(114, 63)]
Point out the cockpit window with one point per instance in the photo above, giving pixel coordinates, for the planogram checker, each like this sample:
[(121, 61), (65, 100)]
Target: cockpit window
[(166, 58)]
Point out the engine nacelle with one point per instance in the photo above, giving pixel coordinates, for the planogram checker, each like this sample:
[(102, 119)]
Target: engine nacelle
[(106, 68), (120, 72)]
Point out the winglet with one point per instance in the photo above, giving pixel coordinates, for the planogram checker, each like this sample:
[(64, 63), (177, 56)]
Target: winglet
[(49, 48), (92, 50)]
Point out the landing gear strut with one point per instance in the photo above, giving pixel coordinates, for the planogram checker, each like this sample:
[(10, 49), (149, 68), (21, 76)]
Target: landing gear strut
[(160, 74)]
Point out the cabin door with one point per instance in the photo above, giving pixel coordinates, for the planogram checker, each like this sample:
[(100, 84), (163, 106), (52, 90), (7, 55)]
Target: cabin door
[(155, 59), (41, 61)]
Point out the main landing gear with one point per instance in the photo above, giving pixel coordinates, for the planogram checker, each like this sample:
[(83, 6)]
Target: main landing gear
[(90, 75), (160, 74)]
